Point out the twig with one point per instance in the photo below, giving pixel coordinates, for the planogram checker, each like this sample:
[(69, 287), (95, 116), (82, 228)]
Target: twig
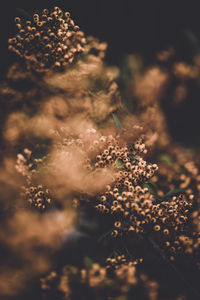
[(103, 236), (162, 254)]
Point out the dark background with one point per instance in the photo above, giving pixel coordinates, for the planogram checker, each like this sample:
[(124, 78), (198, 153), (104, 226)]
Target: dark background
[(129, 26), (142, 26)]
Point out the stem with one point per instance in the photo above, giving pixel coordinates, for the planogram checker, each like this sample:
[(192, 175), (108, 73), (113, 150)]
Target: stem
[(162, 254)]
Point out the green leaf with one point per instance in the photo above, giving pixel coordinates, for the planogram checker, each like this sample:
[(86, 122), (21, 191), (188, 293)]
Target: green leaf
[(174, 192), (116, 120), (153, 189), (23, 13), (192, 40), (165, 158), (119, 163), (87, 261)]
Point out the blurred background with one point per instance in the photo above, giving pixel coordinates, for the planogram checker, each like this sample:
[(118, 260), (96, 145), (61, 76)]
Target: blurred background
[(156, 46), (131, 27)]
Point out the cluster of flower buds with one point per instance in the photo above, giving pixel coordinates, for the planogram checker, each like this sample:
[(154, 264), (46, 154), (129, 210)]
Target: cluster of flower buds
[(38, 197), (47, 281), (126, 199), (49, 40), (126, 196), (131, 204), (91, 282), (188, 242), (144, 214), (129, 201), (172, 213), (169, 219), (23, 164), (116, 262), (35, 195), (179, 170)]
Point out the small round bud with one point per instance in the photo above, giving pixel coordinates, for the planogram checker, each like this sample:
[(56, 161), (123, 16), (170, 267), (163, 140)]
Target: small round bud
[(59, 50), (57, 64), (19, 26), (17, 20), (46, 39), (156, 227), (37, 35), (117, 224), (114, 233), (22, 31), (72, 23), (44, 17), (67, 14), (103, 198), (39, 24), (48, 47), (166, 231), (45, 11), (76, 28), (36, 16)]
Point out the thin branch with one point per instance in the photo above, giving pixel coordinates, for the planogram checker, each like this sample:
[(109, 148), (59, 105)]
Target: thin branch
[(162, 254)]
